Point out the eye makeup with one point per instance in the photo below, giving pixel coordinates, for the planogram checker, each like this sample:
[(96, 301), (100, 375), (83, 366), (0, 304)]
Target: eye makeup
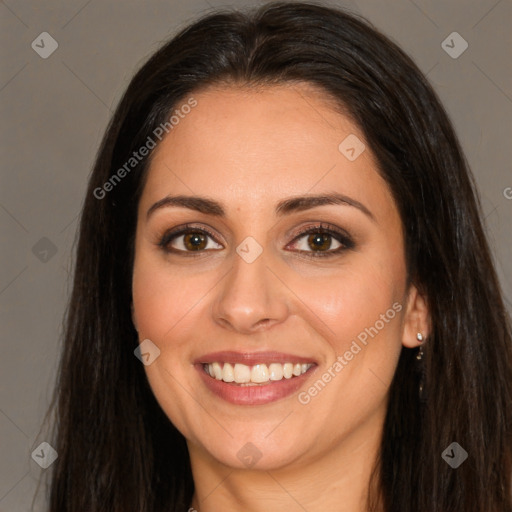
[(195, 240)]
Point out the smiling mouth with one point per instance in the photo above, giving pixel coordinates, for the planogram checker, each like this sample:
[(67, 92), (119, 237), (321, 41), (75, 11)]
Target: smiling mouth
[(255, 375)]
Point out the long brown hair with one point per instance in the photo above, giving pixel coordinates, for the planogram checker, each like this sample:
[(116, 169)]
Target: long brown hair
[(118, 452)]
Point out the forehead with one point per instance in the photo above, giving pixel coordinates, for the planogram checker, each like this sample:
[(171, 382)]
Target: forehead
[(258, 144)]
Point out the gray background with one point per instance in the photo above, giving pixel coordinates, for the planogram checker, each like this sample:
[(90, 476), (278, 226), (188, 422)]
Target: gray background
[(54, 111)]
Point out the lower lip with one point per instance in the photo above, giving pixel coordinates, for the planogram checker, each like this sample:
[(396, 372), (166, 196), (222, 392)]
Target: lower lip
[(254, 395)]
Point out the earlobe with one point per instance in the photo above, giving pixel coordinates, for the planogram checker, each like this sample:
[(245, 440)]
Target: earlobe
[(416, 327)]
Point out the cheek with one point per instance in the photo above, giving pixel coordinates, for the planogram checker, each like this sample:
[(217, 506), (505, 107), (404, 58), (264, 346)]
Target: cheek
[(164, 307), (362, 312), (161, 298), (362, 306), (152, 301), (352, 300)]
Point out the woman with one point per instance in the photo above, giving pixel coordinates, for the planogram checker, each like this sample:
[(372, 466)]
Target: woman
[(283, 296)]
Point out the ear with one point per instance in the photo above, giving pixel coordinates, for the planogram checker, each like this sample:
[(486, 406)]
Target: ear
[(133, 317), (416, 319)]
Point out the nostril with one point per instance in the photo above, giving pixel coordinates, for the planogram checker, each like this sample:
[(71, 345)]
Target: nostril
[(262, 324)]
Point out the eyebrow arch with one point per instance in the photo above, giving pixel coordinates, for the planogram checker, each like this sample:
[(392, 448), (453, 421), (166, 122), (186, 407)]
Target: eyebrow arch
[(302, 203), (286, 206)]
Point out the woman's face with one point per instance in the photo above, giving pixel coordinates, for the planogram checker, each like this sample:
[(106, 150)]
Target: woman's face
[(249, 286)]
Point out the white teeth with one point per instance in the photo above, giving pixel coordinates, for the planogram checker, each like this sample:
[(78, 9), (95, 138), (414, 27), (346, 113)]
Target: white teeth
[(288, 370), (276, 371), (257, 374), (228, 374), (242, 373), (217, 371)]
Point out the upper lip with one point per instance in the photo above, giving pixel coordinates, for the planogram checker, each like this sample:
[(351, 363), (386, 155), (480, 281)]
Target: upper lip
[(251, 358)]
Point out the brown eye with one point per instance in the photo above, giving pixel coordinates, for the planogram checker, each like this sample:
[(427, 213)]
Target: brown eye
[(188, 240), (320, 241), (317, 241), (195, 241)]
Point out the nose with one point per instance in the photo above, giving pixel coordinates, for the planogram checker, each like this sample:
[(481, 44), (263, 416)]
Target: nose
[(250, 298)]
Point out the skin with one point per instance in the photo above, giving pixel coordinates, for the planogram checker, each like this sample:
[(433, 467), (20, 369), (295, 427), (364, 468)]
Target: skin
[(249, 149)]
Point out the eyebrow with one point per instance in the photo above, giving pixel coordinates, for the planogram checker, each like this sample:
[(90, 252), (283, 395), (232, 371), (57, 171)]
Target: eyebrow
[(286, 206)]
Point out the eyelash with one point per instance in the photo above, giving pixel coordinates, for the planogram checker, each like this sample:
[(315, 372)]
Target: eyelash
[(345, 241)]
